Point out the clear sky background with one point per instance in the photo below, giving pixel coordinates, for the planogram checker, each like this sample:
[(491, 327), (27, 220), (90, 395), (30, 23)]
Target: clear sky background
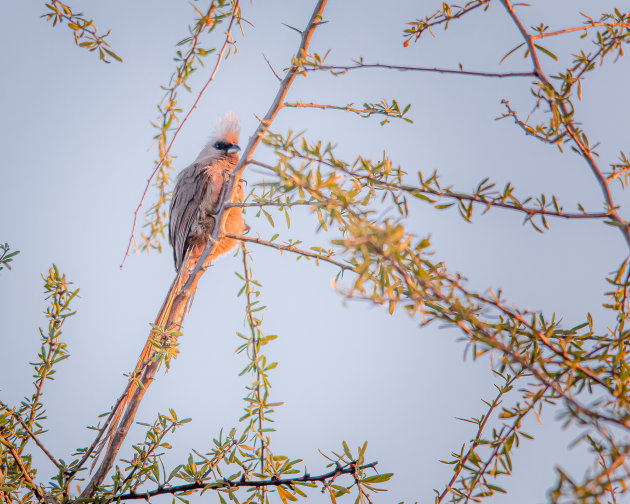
[(77, 150)]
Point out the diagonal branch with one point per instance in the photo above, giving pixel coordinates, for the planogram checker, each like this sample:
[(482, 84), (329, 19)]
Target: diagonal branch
[(401, 68), (32, 435), (38, 491)]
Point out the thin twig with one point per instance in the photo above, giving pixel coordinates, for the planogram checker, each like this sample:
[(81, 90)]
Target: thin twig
[(347, 68), (272, 69), (447, 18), (96, 441), (530, 211), (261, 204), (528, 129), (347, 108), (254, 357), (475, 442), (290, 248), (577, 28)]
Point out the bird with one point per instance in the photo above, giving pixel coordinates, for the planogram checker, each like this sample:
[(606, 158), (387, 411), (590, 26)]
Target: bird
[(197, 194), (197, 200)]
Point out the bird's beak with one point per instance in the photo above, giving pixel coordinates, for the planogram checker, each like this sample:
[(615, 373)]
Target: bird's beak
[(232, 149)]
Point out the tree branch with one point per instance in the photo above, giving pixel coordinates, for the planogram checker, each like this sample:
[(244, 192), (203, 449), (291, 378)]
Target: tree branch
[(350, 468), (31, 435), (585, 27), (360, 65), (290, 248), (38, 491), (586, 152), (347, 108)]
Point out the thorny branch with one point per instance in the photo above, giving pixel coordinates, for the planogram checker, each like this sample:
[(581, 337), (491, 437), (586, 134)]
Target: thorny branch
[(446, 193), (348, 108), (342, 69), (474, 443), (569, 124), (32, 435), (350, 468), (291, 248), (253, 325), (25, 473)]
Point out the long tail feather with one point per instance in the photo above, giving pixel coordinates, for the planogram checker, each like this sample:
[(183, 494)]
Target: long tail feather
[(144, 359)]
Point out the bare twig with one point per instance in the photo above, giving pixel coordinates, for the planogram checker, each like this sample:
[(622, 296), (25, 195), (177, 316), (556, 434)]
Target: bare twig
[(254, 358), (474, 443), (272, 69), (96, 441), (585, 27), (358, 66)]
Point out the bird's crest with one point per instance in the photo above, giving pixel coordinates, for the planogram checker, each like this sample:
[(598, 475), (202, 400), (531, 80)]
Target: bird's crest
[(227, 130)]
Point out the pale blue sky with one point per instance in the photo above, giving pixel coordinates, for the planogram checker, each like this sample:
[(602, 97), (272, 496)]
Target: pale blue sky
[(77, 151)]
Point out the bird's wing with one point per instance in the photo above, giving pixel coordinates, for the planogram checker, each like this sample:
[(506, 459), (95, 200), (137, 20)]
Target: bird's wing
[(188, 194)]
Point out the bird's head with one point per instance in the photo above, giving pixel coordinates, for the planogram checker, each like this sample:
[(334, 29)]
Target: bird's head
[(224, 143)]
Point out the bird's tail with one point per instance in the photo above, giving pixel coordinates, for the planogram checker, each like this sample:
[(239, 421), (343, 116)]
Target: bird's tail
[(145, 358)]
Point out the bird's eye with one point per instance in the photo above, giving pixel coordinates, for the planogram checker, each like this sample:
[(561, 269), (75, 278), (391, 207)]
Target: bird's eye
[(219, 146)]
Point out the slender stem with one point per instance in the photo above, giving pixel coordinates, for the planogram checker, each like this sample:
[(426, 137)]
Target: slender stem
[(347, 108), (475, 442), (254, 357), (577, 28), (290, 248), (402, 68), (32, 435)]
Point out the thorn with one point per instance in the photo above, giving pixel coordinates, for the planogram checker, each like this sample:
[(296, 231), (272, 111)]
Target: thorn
[(293, 28), (272, 69)]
